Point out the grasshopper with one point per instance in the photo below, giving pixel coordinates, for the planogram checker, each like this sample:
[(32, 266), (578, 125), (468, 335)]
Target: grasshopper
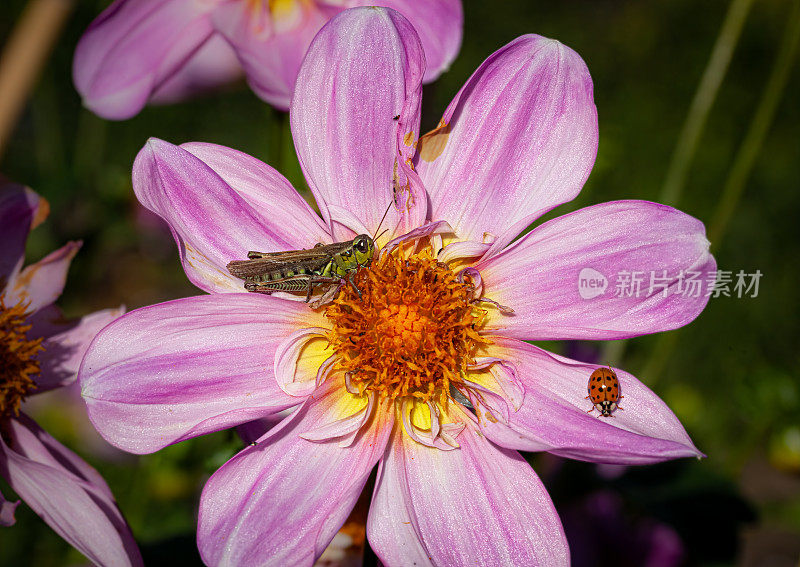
[(301, 270)]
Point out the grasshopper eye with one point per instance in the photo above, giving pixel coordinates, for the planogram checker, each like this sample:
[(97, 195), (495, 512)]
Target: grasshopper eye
[(361, 245)]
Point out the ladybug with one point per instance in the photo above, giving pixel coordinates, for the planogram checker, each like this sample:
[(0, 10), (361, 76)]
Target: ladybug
[(604, 391)]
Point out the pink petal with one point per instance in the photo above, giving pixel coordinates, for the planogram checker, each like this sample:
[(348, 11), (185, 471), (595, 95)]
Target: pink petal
[(554, 414), (351, 147), (40, 284), (7, 509), (65, 344), (342, 426), (462, 249), (477, 505), (439, 24), (19, 209), (271, 57), (538, 276), (165, 373), (48, 321), (251, 431), (213, 65), (504, 380), (282, 501), (264, 189), (133, 47), (272, 52), (32, 442), (439, 436), (519, 139), (66, 493), (426, 230), (287, 371), (212, 223)]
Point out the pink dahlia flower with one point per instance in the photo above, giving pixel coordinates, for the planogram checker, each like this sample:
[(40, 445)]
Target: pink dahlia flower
[(39, 351), (425, 372), (139, 51)]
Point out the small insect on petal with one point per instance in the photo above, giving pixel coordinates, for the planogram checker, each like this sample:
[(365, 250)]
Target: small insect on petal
[(326, 265), (604, 391)]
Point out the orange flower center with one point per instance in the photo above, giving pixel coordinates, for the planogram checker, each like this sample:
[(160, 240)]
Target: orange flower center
[(412, 331), (18, 364)]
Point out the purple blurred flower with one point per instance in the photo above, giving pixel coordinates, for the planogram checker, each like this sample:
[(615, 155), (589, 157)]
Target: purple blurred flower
[(601, 532), (140, 51), (39, 351), (371, 379)]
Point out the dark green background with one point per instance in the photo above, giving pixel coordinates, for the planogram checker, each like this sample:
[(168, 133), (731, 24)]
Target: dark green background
[(732, 376)]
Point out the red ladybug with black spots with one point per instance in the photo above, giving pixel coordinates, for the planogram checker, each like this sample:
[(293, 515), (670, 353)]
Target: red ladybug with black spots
[(604, 391)]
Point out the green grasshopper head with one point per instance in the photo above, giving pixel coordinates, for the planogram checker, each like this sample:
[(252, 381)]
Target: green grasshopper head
[(363, 248)]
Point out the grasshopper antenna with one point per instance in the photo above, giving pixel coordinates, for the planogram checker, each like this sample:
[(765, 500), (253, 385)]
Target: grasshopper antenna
[(383, 218)]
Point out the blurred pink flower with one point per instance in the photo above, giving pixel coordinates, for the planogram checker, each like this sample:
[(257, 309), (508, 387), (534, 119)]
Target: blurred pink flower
[(39, 351), (140, 51), (424, 376)]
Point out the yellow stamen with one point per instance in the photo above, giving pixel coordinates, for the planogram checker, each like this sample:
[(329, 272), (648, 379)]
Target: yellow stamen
[(275, 15), (411, 333), (281, 8), (18, 364)]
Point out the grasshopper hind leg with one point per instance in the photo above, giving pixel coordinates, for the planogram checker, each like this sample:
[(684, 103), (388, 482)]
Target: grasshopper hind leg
[(335, 284), (258, 288)]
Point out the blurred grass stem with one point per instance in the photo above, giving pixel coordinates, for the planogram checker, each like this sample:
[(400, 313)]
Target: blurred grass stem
[(742, 166), (704, 97), (693, 126), (24, 56), (757, 132)]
